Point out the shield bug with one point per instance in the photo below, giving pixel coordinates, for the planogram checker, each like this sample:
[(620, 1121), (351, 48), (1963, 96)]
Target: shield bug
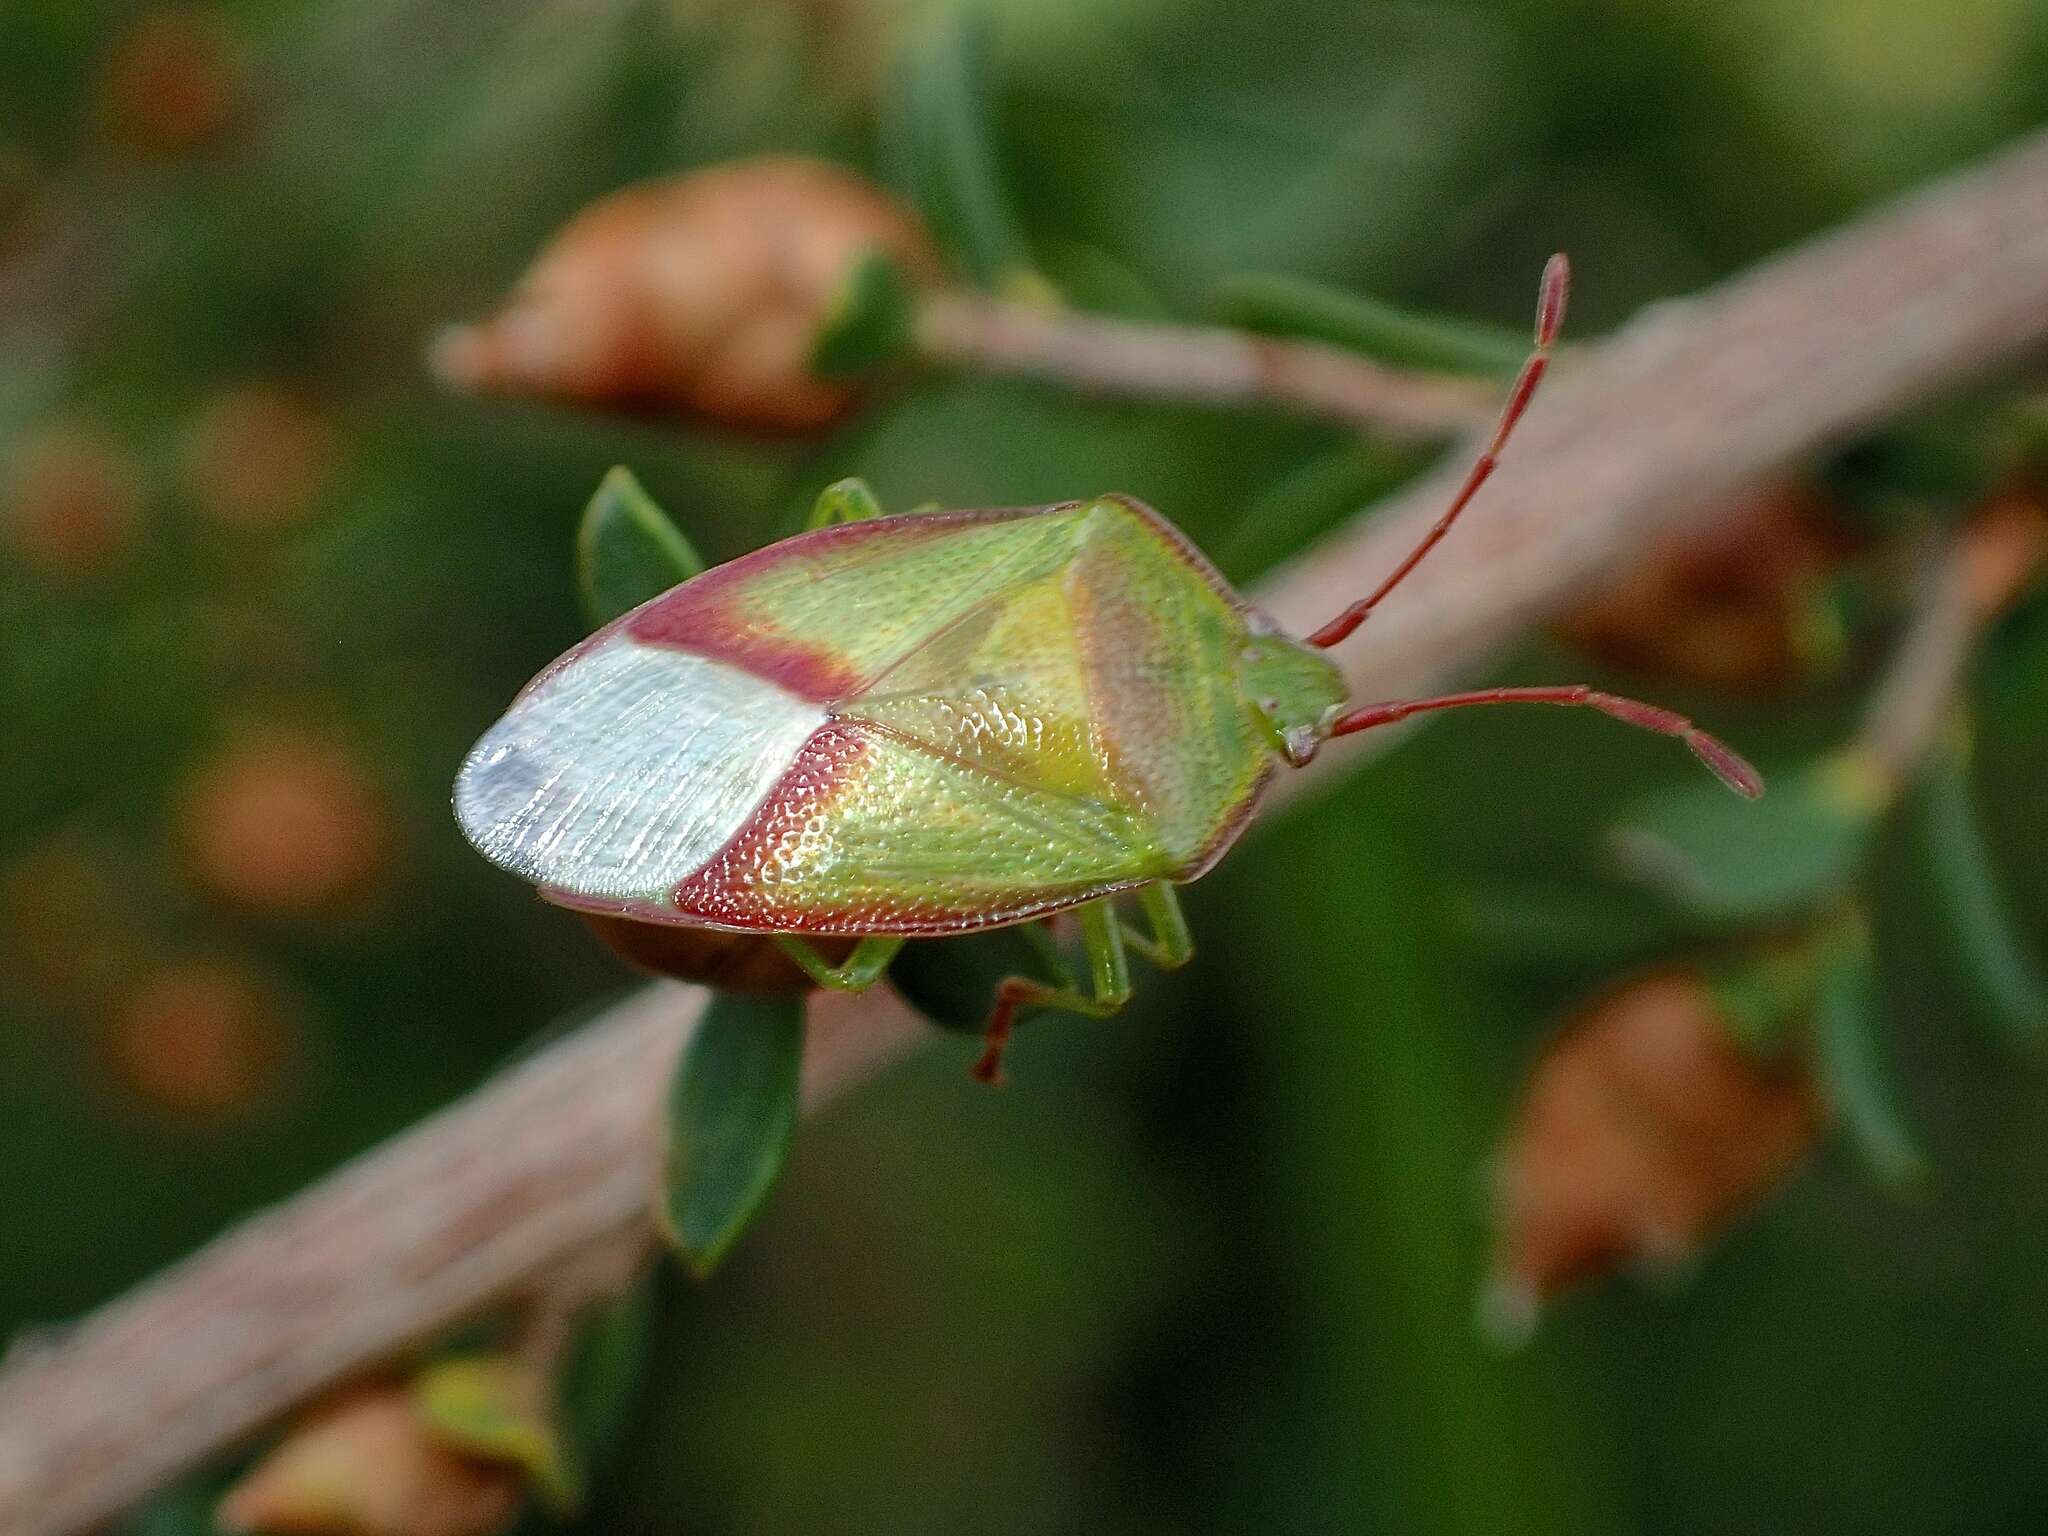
[(888, 728)]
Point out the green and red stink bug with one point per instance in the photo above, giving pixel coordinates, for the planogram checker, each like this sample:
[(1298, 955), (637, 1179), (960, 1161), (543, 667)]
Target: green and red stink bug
[(899, 727)]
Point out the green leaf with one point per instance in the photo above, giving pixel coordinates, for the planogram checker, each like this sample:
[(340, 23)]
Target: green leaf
[(2015, 673), (1934, 466), (185, 1509), (732, 1110), (498, 1408), (1726, 860), (627, 550), (1314, 499), (871, 321), (1550, 926), (1406, 338), (1855, 1065), (605, 1370), (1992, 962), (952, 982), (937, 145), (1766, 991)]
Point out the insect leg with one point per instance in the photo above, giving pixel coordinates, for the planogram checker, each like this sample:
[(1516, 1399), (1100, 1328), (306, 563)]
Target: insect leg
[(844, 501), (1109, 986), (1168, 945), (860, 970)]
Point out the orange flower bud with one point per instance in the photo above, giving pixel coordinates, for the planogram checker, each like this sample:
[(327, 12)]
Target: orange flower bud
[(171, 81), (257, 456), (701, 294), (732, 962), (284, 824), (1643, 1131), (369, 1466), (203, 1039), (70, 501), (1731, 606)]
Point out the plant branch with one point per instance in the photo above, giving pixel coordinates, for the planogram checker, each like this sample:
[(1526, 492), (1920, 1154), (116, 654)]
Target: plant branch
[(481, 1203), (1982, 570), (1208, 364)]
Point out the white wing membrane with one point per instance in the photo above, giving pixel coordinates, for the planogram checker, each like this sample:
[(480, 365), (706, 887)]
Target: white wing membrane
[(621, 775)]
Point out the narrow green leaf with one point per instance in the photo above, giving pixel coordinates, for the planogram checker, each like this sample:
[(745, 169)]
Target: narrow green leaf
[(1766, 991), (1727, 860), (1991, 961), (939, 148), (1406, 338), (1855, 1066), (2014, 692), (871, 320), (732, 1110), (605, 1370), (1091, 278), (1933, 466), (1303, 506), (498, 1408), (627, 550), (185, 1509), (1552, 927)]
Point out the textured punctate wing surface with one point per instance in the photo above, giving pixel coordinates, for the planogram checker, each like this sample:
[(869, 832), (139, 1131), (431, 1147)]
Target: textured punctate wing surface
[(1161, 656), (871, 832), (827, 613), (1013, 762), (907, 725)]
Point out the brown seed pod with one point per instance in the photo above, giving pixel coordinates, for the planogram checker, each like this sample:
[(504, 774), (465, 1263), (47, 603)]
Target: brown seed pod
[(700, 295), (1643, 1131), (284, 823), (203, 1039), (732, 962), (257, 456), (170, 85), (367, 1465), (70, 500), (1733, 606)]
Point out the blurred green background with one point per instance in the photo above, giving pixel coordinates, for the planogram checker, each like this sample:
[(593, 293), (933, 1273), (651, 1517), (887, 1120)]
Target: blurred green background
[(1210, 1267)]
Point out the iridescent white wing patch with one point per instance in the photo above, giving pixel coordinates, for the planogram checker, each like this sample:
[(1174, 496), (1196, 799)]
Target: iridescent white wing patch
[(621, 774)]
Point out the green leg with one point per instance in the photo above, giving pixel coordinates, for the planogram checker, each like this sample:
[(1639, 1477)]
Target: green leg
[(1169, 945), (844, 501), (1109, 986), (859, 971)]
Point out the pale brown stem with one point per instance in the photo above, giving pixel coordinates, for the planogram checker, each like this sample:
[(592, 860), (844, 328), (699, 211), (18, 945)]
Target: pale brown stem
[(481, 1202), (1211, 365), (1983, 568)]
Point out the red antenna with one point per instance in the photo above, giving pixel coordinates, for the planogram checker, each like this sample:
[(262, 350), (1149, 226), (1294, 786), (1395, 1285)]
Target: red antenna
[(1557, 281), (1727, 764)]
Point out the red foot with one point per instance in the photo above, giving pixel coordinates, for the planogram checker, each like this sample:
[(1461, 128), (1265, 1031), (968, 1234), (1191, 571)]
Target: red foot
[(996, 1038)]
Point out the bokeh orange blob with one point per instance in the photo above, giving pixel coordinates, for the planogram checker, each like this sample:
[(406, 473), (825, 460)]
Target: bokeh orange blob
[(172, 81), (258, 456), (284, 823), (71, 500), (201, 1039)]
